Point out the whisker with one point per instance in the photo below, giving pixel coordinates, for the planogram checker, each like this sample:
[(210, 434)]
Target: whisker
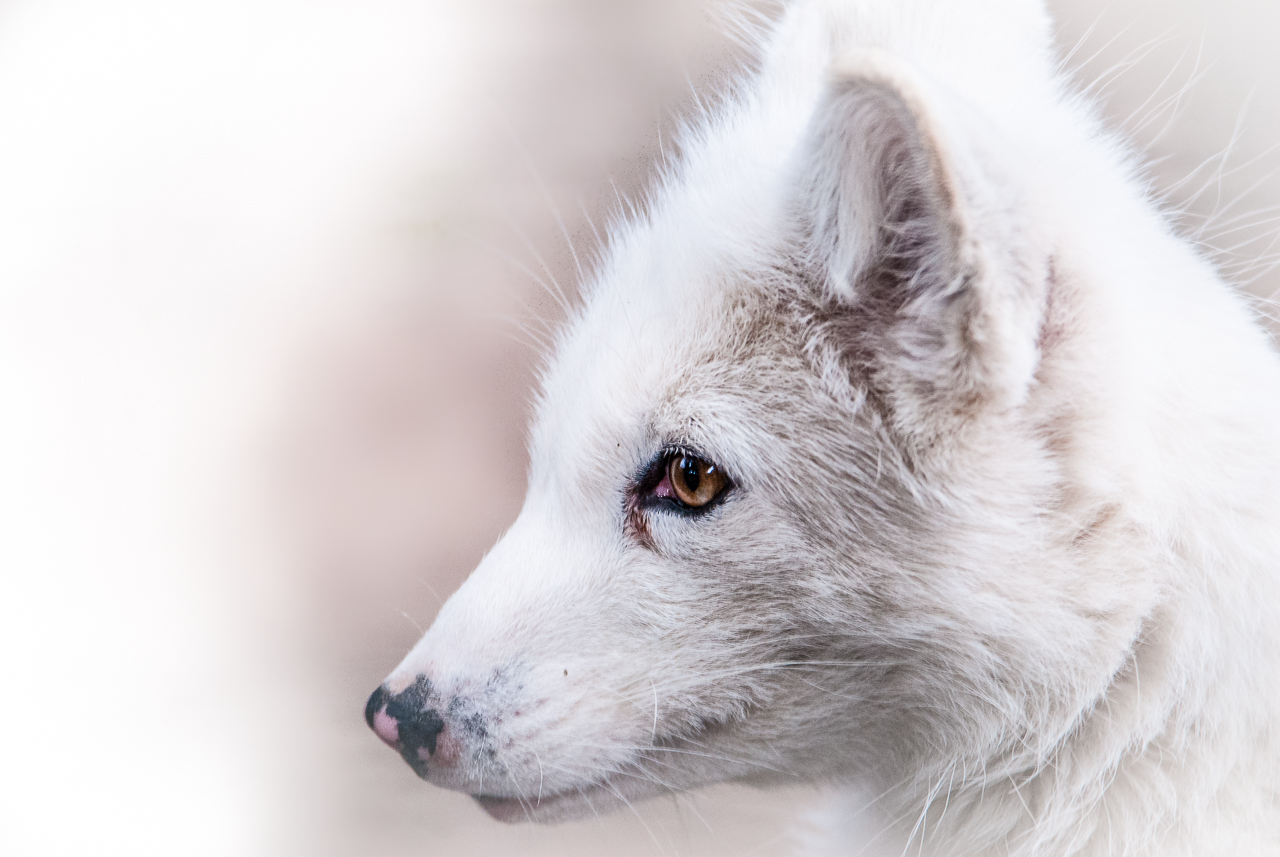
[(546, 195), (555, 293)]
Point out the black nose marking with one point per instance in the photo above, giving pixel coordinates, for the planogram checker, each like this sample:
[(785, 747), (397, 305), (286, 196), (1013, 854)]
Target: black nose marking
[(420, 731), (419, 725)]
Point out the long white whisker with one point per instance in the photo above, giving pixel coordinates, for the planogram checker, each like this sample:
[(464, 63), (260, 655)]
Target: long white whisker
[(546, 195)]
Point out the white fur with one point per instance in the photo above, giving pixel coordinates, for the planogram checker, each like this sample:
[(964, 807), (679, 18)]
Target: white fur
[(1003, 542)]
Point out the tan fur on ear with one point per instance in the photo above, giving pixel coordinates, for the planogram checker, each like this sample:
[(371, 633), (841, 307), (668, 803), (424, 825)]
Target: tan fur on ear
[(896, 227), (882, 91)]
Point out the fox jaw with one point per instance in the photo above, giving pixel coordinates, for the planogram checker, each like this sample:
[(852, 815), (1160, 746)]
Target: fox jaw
[(802, 503)]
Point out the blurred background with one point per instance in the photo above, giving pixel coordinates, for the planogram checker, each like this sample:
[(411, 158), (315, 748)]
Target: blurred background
[(270, 318)]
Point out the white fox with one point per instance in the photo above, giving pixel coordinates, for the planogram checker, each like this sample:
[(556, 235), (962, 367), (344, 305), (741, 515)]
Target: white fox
[(901, 445)]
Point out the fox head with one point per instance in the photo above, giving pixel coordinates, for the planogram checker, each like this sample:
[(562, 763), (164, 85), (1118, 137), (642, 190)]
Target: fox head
[(801, 502)]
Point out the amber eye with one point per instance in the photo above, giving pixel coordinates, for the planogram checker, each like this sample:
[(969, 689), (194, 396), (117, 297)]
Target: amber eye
[(695, 481)]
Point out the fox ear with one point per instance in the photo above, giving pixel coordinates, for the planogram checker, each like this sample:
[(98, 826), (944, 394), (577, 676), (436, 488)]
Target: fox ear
[(916, 248)]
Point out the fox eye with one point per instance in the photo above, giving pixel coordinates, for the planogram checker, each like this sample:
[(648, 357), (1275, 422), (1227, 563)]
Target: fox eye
[(695, 482), (680, 481)]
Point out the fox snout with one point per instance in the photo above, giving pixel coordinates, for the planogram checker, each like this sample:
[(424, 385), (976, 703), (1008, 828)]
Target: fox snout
[(410, 724)]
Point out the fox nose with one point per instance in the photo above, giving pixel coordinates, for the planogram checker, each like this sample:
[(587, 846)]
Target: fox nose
[(404, 722)]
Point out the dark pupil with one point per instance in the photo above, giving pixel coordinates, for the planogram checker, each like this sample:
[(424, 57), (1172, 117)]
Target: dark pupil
[(691, 473)]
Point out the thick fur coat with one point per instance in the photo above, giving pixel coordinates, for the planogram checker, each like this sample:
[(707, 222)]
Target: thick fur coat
[(996, 535)]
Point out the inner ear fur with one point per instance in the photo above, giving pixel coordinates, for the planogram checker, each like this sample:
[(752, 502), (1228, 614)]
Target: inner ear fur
[(917, 246)]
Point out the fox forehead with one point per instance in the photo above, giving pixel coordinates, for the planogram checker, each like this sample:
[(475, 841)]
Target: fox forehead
[(680, 283), (656, 356)]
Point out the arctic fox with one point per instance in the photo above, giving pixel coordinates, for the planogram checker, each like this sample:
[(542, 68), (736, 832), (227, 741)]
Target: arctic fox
[(901, 444)]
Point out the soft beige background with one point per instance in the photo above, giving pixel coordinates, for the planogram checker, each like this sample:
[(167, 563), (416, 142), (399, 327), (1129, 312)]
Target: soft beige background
[(268, 332)]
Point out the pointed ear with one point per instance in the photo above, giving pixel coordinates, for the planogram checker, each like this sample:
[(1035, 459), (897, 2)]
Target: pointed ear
[(918, 247)]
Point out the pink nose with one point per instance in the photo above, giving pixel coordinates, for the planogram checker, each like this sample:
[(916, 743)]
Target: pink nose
[(386, 728)]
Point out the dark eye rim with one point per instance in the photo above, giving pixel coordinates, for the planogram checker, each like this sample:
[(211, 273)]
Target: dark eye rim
[(651, 475)]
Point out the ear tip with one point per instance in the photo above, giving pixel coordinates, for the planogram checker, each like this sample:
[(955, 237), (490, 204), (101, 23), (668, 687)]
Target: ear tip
[(870, 65), (878, 69)]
